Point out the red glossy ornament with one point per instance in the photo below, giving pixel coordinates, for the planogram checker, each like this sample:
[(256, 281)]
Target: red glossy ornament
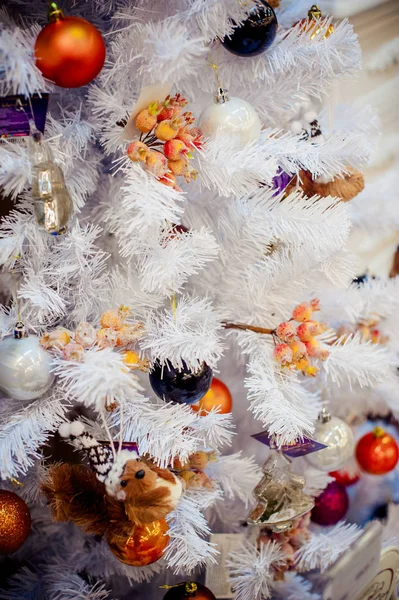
[(343, 478), (69, 51), (217, 395), (144, 546), (377, 452), (189, 589), (331, 506)]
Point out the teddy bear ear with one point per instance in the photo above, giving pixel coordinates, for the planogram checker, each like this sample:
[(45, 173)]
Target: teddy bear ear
[(76, 428)]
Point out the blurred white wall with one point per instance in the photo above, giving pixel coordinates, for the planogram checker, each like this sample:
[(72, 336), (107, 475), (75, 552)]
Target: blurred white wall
[(378, 31)]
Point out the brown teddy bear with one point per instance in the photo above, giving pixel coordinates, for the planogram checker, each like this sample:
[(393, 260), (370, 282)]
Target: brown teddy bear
[(147, 492)]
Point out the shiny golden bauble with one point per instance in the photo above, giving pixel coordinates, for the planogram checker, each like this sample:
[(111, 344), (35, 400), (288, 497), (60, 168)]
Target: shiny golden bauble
[(15, 522), (144, 546), (316, 25)]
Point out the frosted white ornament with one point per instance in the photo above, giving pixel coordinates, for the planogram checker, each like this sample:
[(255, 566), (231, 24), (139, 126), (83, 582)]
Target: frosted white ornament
[(24, 366), (338, 437), (231, 116)]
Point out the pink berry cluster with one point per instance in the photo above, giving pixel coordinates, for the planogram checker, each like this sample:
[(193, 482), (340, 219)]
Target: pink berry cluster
[(166, 141), (298, 343), (290, 541)]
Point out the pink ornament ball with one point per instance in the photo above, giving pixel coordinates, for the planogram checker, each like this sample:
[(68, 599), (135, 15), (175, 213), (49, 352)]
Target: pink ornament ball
[(331, 506)]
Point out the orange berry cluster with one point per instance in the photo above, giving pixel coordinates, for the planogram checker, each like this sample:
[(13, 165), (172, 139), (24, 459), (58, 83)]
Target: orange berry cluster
[(166, 141), (298, 342), (115, 332), (368, 329), (192, 471)]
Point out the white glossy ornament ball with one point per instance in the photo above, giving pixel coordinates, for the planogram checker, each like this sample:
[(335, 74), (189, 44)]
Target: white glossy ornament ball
[(338, 437), (234, 117), (24, 368)]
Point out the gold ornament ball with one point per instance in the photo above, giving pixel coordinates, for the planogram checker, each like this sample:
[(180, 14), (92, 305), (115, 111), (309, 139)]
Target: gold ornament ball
[(145, 545), (315, 24), (15, 522)]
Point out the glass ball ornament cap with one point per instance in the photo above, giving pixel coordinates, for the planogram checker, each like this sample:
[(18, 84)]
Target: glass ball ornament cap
[(54, 13), (25, 367), (314, 12), (337, 436)]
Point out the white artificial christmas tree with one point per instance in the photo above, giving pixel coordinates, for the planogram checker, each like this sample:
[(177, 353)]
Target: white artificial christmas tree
[(201, 272)]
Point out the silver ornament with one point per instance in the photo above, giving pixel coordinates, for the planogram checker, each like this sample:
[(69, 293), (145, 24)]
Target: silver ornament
[(53, 204), (231, 116), (24, 366), (338, 437), (280, 496)]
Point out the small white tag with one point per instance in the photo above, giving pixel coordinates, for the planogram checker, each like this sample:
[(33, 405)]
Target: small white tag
[(148, 95), (217, 575), (348, 577)]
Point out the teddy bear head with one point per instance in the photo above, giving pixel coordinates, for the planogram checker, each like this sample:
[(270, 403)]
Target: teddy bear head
[(136, 478)]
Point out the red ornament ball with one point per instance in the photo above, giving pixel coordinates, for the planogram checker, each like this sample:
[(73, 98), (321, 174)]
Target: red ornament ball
[(189, 589), (377, 452), (331, 506), (69, 51), (15, 522), (218, 395), (343, 478)]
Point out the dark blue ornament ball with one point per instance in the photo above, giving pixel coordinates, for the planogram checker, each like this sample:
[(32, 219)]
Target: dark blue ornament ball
[(180, 385), (256, 34)]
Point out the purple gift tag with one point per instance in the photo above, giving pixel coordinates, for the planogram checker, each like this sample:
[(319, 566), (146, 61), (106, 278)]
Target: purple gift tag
[(131, 446), (16, 111), (294, 450), (281, 180)]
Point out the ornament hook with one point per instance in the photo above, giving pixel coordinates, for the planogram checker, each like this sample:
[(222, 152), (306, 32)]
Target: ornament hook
[(324, 416), (54, 13), (314, 12)]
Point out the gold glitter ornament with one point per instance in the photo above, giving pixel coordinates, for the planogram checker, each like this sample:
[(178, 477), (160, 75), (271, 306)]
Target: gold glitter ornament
[(15, 522), (315, 23)]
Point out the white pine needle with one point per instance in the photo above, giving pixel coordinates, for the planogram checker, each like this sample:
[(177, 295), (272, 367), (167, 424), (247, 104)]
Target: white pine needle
[(251, 571)]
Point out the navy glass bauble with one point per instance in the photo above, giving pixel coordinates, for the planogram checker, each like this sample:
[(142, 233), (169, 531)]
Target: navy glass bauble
[(256, 34), (180, 385)]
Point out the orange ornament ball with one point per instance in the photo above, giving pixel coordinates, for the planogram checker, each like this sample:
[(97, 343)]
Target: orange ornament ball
[(144, 546), (377, 452), (15, 522), (218, 395), (69, 51)]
